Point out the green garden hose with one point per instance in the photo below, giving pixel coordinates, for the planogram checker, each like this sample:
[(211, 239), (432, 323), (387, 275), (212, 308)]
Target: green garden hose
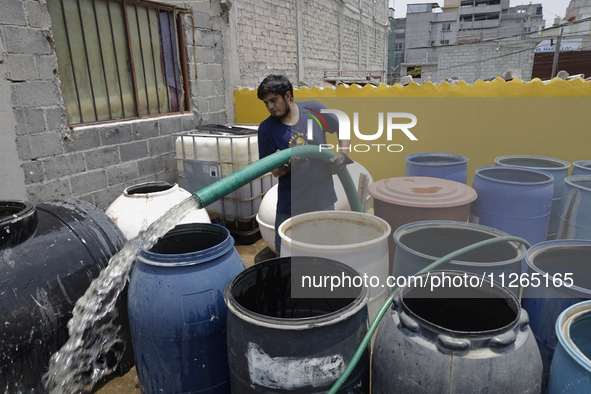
[(374, 325), (227, 185)]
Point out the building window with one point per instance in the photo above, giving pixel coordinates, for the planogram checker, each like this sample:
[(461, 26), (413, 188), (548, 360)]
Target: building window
[(444, 42), (446, 26), (432, 43), (118, 59), (399, 46), (414, 71)]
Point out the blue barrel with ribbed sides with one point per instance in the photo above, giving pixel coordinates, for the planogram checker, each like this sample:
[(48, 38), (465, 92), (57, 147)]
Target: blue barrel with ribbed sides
[(177, 312), (559, 170), (551, 267), (571, 366), (515, 200), (575, 208), (437, 165), (582, 167)]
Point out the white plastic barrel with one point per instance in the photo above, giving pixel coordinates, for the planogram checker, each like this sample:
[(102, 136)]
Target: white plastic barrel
[(359, 240), (266, 215), (140, 205)]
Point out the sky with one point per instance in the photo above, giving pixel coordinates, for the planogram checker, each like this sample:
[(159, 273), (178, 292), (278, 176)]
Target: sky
[(552, 8)]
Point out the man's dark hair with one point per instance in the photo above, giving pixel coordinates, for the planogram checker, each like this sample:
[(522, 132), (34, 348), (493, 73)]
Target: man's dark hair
[(276, 84)]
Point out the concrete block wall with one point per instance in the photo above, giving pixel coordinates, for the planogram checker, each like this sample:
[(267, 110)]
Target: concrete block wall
[(205, 61), (93, 162), (376, 27), (268, 38), (417, 38), (351, 40), (485, 61), (376, 47), (228, 45), (267, 34), (321, 37)]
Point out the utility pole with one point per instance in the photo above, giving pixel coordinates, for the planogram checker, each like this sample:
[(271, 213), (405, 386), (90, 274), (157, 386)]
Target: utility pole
[(556, 52)]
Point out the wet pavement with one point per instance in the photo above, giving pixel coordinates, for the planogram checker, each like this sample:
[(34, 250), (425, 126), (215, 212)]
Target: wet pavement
[(129, 383)]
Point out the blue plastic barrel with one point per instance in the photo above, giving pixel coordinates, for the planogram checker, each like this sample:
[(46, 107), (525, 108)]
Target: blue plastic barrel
[(575, 208), (582, 167), (571, 366), (559, 170), (515, 200), (177, 312), (437, 165), (552, 262)]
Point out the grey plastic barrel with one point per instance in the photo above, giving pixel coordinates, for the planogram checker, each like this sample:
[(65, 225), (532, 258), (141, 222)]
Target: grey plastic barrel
[(455, 340), (419, 244)]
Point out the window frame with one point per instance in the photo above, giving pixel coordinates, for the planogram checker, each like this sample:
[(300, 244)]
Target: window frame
[(180, 64)]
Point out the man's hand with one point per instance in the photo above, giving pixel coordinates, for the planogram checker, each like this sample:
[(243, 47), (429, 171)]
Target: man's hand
[(339, 163), (278, 172)]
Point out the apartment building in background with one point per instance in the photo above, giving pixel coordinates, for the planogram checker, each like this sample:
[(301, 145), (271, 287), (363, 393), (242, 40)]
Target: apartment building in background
[(464, 38), (574, 31)]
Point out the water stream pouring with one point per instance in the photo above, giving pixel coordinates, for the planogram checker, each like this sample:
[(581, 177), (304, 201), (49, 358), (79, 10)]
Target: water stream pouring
[(81, 362)]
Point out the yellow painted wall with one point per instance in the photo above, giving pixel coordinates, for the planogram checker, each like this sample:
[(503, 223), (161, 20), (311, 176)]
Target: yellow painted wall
[(481, 121)]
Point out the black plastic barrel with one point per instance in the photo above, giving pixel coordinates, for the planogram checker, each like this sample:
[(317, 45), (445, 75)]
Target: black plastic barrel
[(49, 255), (281, 344)]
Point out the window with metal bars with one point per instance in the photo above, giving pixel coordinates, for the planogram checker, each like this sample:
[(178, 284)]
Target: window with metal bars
[(118, 59)]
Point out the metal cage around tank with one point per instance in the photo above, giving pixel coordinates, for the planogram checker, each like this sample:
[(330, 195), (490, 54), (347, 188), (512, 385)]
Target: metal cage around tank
[(212, 152)]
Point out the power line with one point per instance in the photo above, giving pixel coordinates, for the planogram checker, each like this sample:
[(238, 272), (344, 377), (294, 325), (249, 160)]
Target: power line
[(496, 40), (532, 36), (491, 58)]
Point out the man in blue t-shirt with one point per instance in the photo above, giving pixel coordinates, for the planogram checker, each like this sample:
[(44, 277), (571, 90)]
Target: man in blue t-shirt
[(305, 185)]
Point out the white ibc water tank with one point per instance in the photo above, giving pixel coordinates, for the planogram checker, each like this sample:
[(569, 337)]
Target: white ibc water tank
[(203, 159), (140, 205)]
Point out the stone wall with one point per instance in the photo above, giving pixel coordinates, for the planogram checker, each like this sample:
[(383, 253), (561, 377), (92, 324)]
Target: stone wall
[(93, 162), (486, 60)]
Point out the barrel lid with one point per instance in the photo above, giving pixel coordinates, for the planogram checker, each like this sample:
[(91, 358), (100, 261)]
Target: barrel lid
[(422, 192)]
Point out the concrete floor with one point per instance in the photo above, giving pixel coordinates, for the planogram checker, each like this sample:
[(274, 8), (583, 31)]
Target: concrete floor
[(129, 383)]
